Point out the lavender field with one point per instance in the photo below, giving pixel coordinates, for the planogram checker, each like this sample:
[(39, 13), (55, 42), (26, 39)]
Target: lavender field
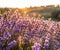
[(22, 32)]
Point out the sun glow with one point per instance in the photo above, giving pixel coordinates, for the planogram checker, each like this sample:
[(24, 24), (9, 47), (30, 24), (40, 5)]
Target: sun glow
[(26, 3)]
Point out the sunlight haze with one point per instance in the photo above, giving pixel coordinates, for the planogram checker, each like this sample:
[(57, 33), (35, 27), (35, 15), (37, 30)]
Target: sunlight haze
[(27, 3)]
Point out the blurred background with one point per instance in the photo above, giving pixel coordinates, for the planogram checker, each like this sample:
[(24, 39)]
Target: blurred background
[(45, 8)]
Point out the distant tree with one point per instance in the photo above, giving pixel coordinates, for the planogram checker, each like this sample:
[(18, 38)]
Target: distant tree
[(55, 14), (58, 6)]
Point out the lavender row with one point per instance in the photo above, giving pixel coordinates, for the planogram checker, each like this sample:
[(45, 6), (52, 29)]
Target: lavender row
[(28, 32)]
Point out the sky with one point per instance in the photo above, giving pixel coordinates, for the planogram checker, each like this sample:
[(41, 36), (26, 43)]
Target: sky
[(27, 3)]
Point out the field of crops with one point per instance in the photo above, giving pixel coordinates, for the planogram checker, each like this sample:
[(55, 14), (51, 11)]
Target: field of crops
[(22, 32)]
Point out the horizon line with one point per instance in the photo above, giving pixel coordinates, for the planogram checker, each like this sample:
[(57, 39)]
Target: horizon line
[(27, 6)]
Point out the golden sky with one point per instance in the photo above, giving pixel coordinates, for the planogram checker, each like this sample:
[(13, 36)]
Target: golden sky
[(27, 3)]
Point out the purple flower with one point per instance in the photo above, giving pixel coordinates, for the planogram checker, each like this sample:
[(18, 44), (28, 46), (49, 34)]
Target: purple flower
[(11, 44)]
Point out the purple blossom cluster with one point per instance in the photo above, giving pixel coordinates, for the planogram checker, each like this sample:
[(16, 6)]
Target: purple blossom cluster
[(36, 33)]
